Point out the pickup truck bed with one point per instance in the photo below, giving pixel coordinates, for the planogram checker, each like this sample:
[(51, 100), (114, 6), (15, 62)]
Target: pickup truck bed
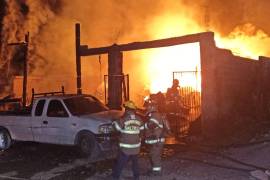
[(15, 113)]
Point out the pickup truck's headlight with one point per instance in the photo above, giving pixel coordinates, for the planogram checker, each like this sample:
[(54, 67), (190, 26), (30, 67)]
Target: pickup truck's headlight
[(105, 128)]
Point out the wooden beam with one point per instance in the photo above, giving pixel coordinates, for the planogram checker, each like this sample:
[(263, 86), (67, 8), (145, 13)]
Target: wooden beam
[(115, 79), (25, 71), (78, 57), (85, 51)]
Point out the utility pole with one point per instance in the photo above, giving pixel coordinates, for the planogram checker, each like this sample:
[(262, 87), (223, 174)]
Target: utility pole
[(78, 57), (25, 66), (25, 69)]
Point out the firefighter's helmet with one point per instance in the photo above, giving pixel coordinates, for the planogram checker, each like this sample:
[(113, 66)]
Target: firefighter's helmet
[(176, 82), (130, 105)]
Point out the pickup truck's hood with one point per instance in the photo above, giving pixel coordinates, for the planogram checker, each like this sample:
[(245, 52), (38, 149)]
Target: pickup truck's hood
[(105, 116)]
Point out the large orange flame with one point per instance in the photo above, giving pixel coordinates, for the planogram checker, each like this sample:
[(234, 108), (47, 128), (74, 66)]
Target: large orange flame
[(245, 41), (162, 62)]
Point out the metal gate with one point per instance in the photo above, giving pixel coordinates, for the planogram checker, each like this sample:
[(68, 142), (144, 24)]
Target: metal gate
[(190, 93)]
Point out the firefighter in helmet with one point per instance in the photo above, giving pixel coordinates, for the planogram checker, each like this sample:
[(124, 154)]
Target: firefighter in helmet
[(129, 127), (172, 95), (173, 105), (155, 127)]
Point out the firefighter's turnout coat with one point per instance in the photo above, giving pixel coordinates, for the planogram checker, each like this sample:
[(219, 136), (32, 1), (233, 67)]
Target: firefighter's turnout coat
[(173, 100), (129, 127), (155, 130)]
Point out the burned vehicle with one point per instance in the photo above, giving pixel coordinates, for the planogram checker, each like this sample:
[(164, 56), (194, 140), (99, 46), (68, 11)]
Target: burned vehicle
[(74, 120)]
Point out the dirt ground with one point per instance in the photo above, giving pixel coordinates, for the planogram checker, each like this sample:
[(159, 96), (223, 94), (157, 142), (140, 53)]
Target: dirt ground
[(44, 162)]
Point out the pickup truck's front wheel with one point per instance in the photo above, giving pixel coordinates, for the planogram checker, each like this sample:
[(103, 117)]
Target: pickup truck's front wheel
[(5, 139), (88, 145)]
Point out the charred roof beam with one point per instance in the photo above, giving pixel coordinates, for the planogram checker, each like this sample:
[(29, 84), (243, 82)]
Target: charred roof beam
[(85, 51)]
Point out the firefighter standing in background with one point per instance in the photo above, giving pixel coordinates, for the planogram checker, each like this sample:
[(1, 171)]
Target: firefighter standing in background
[(161, 101), (173, 96), (129, 127), (155, 129), (173, 105)]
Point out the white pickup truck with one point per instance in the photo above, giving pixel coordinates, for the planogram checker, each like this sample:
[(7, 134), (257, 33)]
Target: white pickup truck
[(77, 120)]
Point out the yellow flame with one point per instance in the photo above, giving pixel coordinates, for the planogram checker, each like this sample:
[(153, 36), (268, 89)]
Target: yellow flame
[(162, 62), (245, 41)]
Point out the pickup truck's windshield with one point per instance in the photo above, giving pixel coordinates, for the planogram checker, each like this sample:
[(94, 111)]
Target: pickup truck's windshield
[(83, 105)]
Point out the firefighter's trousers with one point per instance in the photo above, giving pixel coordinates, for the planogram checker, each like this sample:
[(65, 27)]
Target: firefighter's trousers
[(122, 161), (155, 156)]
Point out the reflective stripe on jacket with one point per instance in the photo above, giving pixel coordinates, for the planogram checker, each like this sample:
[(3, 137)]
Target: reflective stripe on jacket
[(118, 128), (154, 135), (129, 127), (129, 145), (154, 141), (156, 169), (156, 122)]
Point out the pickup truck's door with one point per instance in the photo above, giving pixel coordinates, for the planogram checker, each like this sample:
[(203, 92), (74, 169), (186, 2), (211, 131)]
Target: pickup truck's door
[(20, 127), (36, 122), (56, 125)]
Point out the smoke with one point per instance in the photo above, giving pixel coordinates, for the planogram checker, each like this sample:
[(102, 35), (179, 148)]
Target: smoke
[(6, 33), (9, 33), (51, 27), (21, 17)]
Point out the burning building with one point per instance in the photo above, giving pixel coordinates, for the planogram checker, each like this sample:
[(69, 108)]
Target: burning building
[(231, 99), (52, 55)]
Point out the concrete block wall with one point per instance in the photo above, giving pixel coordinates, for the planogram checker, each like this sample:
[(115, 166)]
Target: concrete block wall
[(235, 93), (265, 87)]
